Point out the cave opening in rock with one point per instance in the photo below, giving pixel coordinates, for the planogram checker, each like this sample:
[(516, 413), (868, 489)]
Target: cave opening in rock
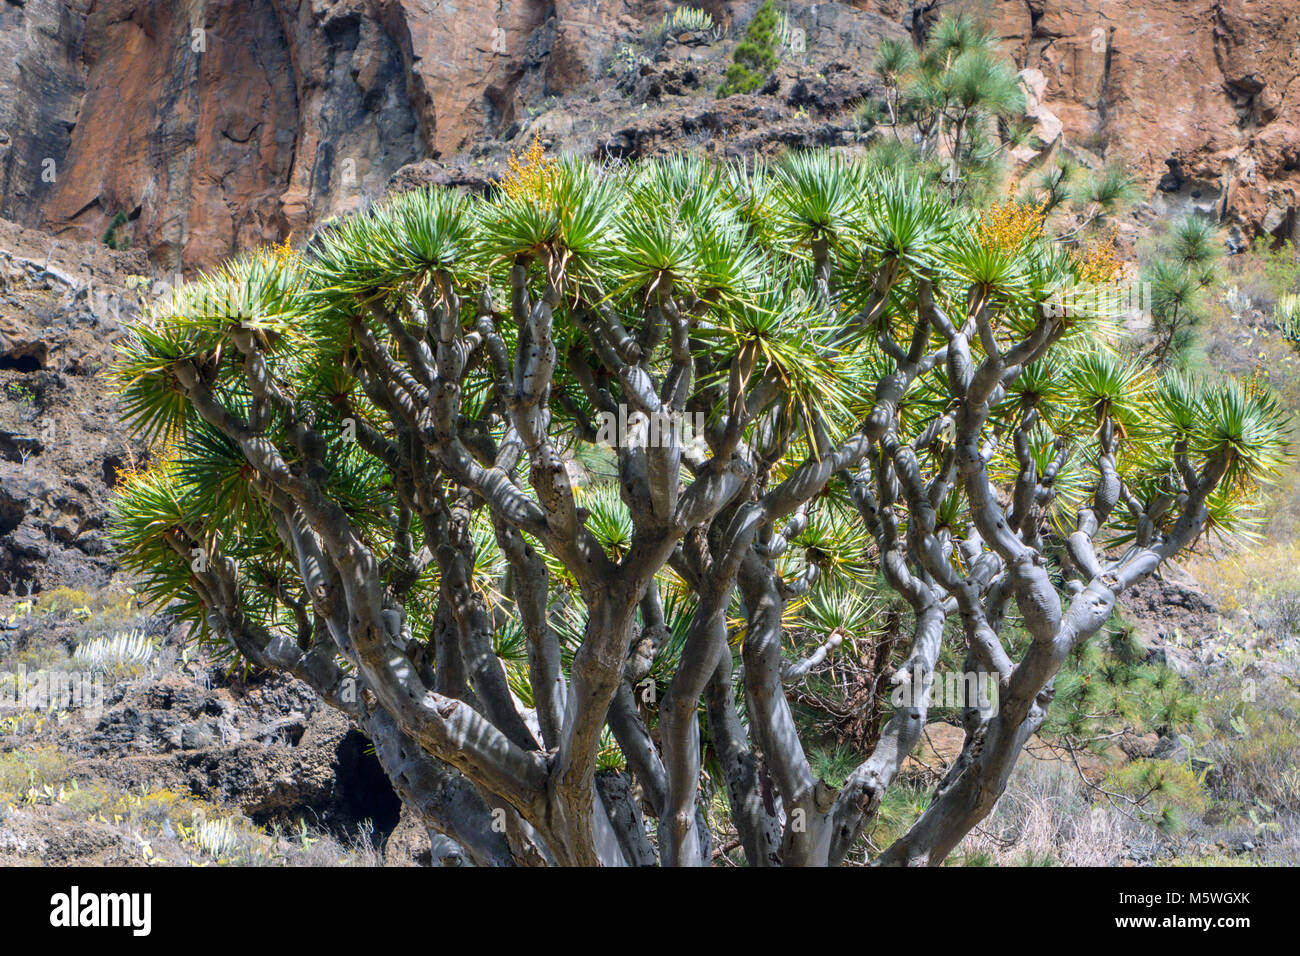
[(20, 363), (12, 512), (362, 789)]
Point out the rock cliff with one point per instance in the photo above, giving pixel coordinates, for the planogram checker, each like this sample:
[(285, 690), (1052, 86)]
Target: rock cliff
[(213, 125), (1200, 98)]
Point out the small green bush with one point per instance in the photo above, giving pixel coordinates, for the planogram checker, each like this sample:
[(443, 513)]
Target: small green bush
[(1163, 792), (1185, 266), (1281, 268), (755, 57), (110, 238)]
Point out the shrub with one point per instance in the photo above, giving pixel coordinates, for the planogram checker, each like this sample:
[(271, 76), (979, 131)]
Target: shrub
[(1281, 268), (110, 237), (1183, 269), (1163, 792), (1286, 314), (962, 98), (756, 56), (126, 654), (690, 20)]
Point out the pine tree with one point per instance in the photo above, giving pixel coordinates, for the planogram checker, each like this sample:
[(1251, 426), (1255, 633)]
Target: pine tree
[(756, 56), (1182, 269)]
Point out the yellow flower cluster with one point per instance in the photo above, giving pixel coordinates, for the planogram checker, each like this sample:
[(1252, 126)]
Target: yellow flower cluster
[(1098, 262), (1258, 383), (162, 456), (283, 252), (531, 176), (1007, 225)]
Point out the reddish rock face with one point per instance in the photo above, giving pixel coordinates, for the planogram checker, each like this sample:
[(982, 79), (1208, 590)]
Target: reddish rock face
[(184, 121), (215, 125), (219, 125), (1199, 98)]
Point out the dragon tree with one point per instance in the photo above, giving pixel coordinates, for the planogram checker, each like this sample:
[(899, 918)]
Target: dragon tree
[(561, 493)]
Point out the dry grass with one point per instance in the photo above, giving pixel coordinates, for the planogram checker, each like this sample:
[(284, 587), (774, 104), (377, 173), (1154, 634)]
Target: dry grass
[(1045, 818), (1248, 578)]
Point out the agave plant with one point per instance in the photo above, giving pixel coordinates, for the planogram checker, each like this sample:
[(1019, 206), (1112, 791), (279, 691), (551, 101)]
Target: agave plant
[(1286, 314), (690, 20), (129, 648), (376, 468)]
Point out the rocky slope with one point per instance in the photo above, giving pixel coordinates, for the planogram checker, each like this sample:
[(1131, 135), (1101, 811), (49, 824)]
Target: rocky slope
[(180, 733), (212, 126), (60, 445)]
